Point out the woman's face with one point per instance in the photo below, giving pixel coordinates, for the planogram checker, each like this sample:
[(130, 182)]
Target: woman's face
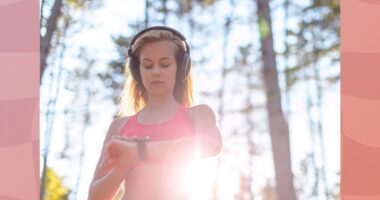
[(158, 67)]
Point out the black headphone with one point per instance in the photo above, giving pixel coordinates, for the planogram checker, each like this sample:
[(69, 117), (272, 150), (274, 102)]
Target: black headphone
[(184, 55)]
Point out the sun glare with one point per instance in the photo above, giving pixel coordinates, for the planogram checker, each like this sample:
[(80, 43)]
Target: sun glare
[(198, 178)]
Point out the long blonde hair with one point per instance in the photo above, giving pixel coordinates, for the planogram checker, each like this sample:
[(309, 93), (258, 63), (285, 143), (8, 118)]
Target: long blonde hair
[(134, 96)]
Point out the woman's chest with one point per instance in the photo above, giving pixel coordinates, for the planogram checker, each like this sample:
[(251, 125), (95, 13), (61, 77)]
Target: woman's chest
[(164, 132), (155, 181)]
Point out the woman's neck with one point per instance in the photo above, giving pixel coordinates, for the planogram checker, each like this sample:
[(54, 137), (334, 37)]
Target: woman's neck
[(164, 102)]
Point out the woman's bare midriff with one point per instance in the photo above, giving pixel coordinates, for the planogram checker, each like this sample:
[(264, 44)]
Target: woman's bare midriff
[(157, 181)]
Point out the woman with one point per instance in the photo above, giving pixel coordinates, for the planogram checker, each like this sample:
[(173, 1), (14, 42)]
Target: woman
[(144, 154)]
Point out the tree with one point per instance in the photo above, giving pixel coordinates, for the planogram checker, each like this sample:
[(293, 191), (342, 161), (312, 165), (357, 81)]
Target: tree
[(51, 26), (278, 126), (316, 40), (53, 31), (55, 189), (50, 29)]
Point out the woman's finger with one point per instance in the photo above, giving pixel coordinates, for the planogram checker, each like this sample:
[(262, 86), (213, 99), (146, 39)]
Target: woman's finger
[(125, 138), (104, 162), (128, 139), (106, 157), (133, 137)]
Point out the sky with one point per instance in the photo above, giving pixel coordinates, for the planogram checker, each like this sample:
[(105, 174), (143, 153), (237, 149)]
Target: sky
[(112, 19)]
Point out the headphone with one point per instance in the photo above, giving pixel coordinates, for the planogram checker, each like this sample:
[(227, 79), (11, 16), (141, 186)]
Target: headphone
[(184, 55)]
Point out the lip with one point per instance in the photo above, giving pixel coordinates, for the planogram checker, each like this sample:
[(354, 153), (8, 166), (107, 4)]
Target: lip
[(156, 82)]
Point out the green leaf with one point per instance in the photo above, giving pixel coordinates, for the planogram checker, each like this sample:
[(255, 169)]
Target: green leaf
[(263, 28), (55, 189)]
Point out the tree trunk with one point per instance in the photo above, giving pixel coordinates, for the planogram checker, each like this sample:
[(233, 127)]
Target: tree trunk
[(45, 41), (146, 13), (165, 11), (279, 130)]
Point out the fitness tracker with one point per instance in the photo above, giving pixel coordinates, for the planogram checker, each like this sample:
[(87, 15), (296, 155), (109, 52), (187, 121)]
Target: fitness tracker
[(141, 147)]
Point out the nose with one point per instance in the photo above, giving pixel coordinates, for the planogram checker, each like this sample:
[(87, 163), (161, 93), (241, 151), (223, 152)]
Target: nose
[(156, 70)]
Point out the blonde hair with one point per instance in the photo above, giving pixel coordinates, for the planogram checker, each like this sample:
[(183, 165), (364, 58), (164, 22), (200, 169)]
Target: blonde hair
[(134, 96)]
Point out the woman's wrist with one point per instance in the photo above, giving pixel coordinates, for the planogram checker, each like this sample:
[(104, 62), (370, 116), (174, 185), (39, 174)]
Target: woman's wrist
[(130, 159), (136, 150)]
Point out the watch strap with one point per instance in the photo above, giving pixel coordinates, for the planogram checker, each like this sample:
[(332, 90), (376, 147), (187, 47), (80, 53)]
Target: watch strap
[(141, 148)]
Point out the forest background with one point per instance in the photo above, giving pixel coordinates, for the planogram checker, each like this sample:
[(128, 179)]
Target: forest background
[(270, 70)]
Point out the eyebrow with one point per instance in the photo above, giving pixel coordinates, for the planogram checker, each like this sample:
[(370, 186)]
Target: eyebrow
[(160, 58)]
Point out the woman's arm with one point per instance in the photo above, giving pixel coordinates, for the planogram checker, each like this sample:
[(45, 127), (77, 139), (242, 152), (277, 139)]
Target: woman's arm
[(207, 139), (107, 180), (106, 187)]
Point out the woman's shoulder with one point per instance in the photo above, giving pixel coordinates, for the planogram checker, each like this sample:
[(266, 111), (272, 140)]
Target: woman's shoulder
[(200, 108), (201, 113), (118, 122)]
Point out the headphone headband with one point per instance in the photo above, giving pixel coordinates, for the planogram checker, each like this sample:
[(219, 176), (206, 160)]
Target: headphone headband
[(166, 28)]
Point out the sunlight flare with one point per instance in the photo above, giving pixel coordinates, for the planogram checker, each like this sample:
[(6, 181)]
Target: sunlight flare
[(198, 178)]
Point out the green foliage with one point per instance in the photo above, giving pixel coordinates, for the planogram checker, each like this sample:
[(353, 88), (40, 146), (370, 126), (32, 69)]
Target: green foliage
[(186, 6), (75, 3), (83, 4), (55, 189), (207, 2), (316, 38), (263, 27)]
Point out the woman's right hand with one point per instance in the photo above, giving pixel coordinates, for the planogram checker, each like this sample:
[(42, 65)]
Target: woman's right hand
[(120, 153)]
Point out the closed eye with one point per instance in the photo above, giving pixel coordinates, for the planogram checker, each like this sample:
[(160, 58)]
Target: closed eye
[(162, 65)]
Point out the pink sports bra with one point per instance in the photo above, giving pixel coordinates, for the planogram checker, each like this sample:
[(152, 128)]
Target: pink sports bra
[(178, 126)]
